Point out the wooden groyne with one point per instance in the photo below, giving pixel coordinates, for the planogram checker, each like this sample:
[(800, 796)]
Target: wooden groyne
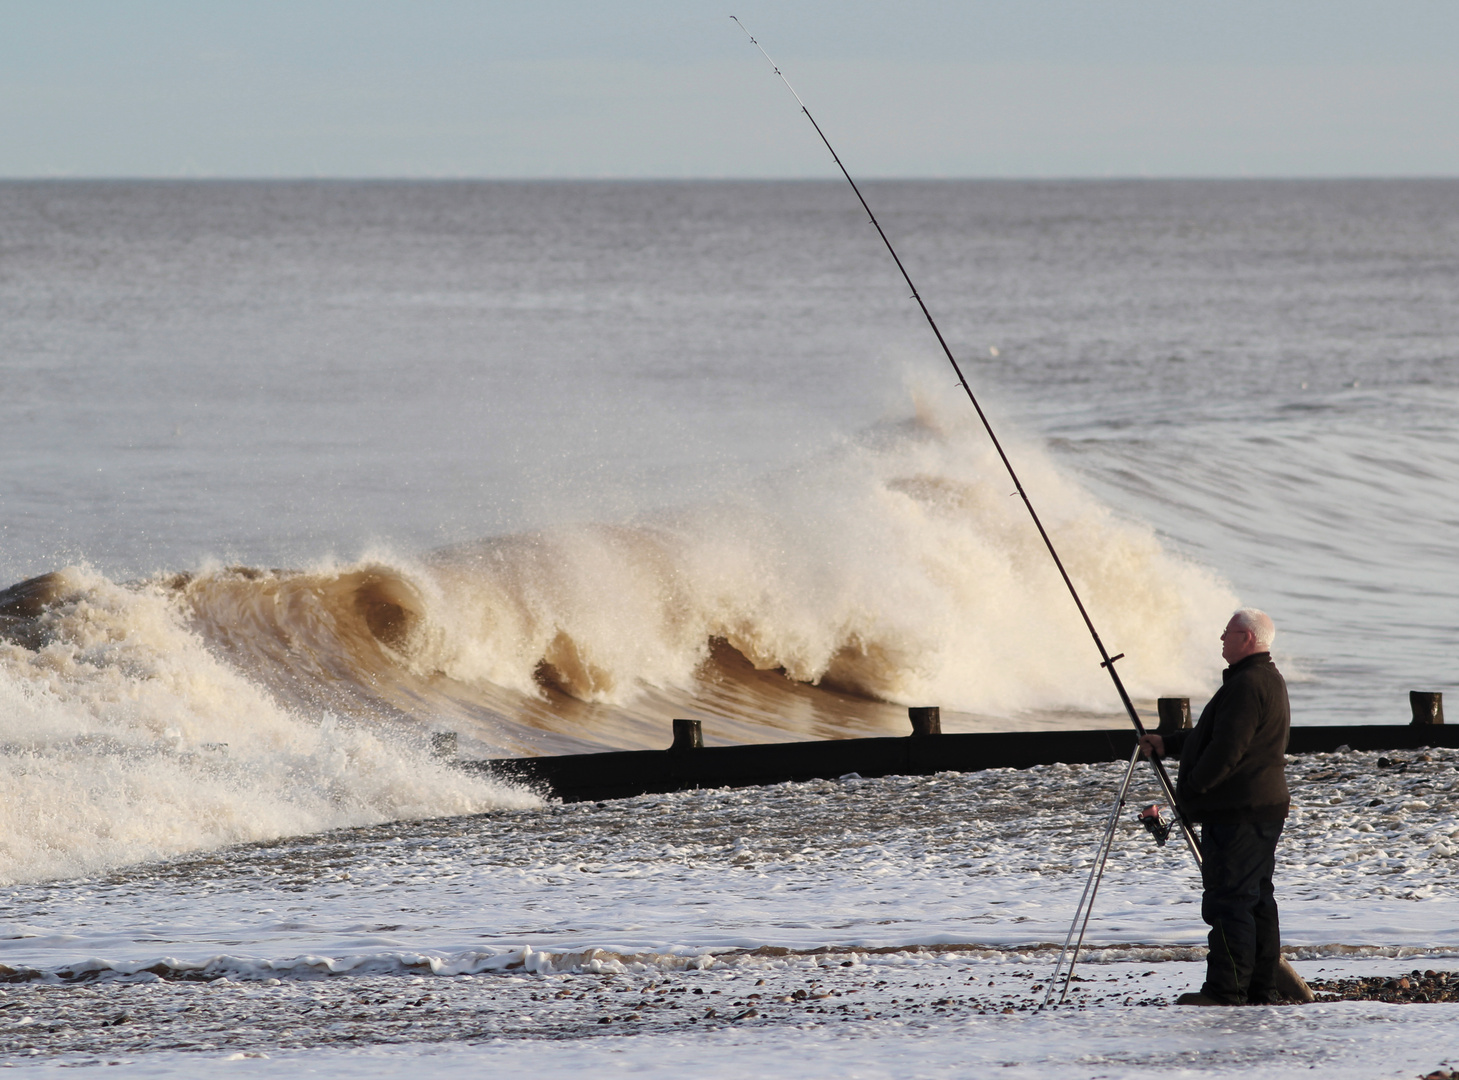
[(689, 764)]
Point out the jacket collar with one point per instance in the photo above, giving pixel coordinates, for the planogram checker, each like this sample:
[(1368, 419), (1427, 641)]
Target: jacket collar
[(1246, 662)]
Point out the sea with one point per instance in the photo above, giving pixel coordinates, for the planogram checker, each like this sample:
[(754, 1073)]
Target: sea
[(299, 476)]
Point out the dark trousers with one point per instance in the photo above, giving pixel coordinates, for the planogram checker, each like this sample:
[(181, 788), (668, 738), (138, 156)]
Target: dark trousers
[(1238, 859)]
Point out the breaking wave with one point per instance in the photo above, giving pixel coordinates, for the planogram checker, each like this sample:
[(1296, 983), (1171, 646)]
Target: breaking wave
[(229, 704)]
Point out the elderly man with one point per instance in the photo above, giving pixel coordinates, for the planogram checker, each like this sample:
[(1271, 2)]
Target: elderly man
[(1232, 780)]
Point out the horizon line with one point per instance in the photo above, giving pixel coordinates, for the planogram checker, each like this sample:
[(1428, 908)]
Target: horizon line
[(648, 179)]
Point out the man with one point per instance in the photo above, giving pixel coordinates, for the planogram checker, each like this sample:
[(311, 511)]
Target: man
[(1232, 780)]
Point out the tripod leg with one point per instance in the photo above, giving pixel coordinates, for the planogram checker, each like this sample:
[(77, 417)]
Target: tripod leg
[(1091, 887)]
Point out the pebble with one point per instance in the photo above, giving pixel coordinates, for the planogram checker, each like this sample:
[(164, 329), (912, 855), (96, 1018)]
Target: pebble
[(1417, 987)]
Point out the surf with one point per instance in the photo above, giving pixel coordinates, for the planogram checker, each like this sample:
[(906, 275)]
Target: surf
[(230, 703)]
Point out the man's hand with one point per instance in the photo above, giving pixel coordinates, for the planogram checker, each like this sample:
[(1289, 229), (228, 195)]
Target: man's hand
[(1152, 745)]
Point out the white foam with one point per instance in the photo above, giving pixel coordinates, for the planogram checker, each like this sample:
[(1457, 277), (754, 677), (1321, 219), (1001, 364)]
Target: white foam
[(124, 740), (896, 566), (992, 861)]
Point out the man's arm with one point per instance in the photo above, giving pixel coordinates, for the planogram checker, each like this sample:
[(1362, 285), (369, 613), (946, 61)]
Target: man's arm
[(1161, 746)]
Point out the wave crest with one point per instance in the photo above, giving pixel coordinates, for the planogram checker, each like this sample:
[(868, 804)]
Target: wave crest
[(896, 568)]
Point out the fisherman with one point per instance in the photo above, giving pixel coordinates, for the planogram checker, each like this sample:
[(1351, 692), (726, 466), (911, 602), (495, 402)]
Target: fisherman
[(1232, 780)]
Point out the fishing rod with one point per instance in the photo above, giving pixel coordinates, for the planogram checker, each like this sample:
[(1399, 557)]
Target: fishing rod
[(1106, 660)]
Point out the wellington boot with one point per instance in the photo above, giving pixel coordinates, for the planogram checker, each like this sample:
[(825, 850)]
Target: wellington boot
[(1195, 997)]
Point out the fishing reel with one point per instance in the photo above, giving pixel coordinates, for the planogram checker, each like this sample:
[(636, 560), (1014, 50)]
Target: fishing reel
[(1155, 823)]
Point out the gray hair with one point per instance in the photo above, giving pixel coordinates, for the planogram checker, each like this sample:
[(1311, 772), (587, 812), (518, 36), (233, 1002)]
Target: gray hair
[(1258, 623)]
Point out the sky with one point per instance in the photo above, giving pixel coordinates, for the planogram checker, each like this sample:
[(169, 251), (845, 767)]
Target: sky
[(672, 89)]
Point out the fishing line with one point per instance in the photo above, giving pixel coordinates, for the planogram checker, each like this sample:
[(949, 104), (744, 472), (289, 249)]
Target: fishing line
[(1106, 660)]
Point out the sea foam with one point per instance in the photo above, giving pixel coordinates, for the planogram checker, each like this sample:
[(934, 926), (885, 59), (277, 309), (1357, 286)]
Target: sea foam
[(125, 739), (896, 567)]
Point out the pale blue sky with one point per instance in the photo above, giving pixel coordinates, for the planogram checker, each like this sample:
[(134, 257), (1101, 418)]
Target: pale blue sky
[(670, 88)]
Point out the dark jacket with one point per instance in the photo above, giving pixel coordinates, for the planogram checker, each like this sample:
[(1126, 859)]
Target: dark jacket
[(1233, 762)]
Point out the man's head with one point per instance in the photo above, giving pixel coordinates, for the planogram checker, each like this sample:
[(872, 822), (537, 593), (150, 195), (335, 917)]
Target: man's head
[(1249, 631)]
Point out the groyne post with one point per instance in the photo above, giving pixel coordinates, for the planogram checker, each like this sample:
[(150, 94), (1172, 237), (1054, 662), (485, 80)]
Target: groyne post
[(1427, 706), (688, 735), (926, 719), (1175, 714)]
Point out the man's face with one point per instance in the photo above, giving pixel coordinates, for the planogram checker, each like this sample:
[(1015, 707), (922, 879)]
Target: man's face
[(1236, 642)]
